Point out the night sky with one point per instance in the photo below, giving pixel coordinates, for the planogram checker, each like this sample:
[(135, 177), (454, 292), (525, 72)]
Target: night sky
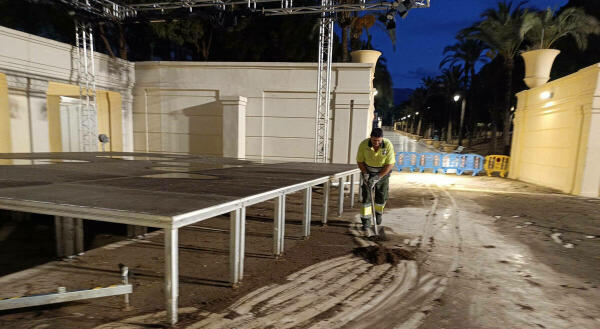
[(423, 34)]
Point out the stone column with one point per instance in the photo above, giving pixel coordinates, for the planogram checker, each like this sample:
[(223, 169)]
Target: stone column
[(234, 126)]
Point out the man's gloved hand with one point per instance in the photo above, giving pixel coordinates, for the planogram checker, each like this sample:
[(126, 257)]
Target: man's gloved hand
[(365, 177), (374, 181)]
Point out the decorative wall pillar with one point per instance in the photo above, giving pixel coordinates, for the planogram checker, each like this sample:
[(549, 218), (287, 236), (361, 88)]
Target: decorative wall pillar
[(590, 178), (5, 140), (127, 112), (234, 126), (517, 137), (351, 125)]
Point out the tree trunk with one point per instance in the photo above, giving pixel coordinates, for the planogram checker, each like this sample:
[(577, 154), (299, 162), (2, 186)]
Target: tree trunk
[(345, 40), (122, 43), (419, 128), (494, 141), (206, 45), (507, 106), (470, 108), (449, 132), (105, 40), (473, 132)]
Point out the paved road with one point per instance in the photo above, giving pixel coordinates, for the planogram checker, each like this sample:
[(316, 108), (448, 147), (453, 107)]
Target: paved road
[(405, 144)]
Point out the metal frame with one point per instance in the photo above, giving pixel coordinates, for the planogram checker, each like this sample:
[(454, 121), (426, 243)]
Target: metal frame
[(324, 83), (327, 9), (286, 6), (86, 76), (103, 8), (62, 297), (171, 225)]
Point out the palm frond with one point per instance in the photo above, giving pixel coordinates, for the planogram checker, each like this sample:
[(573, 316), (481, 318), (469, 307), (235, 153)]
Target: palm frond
[(550, 26)]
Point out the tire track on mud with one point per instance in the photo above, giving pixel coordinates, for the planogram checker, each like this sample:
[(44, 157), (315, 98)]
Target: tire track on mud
[(348, 292)]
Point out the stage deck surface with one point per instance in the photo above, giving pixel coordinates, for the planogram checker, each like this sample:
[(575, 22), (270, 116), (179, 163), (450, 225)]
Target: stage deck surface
[(147, 189)]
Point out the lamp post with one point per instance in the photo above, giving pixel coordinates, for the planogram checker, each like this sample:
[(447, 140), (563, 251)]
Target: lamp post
[(463, 105)]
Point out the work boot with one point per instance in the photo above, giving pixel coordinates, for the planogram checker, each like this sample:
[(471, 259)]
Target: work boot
[(366, 223), (378, 218)]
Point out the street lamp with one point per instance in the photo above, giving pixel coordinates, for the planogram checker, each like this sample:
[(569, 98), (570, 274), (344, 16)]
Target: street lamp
[(463, 105)]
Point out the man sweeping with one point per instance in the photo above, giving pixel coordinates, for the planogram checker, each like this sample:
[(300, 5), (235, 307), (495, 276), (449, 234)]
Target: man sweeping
[(375, 158)]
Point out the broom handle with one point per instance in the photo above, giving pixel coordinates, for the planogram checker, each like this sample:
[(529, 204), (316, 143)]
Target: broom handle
[(373, 211)]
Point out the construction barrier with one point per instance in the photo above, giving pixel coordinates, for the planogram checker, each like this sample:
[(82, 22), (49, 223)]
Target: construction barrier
[(471, 162), (450, 161), (431, 161), (445, 162), (407, 160), (497, 163)]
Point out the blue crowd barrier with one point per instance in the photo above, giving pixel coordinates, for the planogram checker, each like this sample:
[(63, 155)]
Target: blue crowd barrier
[(444, 162), (472, 162), (431, 161), (407, 160), (450, 161)]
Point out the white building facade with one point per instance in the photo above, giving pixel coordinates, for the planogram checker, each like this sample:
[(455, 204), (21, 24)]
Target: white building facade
[(247, 110)]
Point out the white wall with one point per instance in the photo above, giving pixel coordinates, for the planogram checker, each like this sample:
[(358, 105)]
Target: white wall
[(29, 62), (178, 107), (556, 140)]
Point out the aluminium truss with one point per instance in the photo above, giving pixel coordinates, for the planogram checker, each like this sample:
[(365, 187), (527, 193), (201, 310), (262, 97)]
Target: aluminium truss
[(327, 9), (86, 76), (86, 71), (324, 84), (102, 8), (286, 7)]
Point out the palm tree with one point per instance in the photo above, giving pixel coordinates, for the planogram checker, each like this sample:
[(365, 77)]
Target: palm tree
[(503, 30), (549, 26), (418, 100), (451, 81), (429, 87), (467, 52)]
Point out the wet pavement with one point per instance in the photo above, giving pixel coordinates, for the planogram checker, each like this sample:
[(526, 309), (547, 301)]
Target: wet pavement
[(500, 266), (404, 144)]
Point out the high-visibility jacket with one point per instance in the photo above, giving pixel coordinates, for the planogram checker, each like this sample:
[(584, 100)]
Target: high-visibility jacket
[(375, 160)]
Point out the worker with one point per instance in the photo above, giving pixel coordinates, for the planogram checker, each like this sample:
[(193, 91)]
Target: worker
[(375, 159)]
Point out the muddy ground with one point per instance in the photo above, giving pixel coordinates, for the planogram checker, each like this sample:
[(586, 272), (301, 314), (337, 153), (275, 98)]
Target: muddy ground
[(490, 253), (203, 264)]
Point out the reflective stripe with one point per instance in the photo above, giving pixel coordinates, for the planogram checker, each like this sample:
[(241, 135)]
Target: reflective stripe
[(379, 208), (366, 210)]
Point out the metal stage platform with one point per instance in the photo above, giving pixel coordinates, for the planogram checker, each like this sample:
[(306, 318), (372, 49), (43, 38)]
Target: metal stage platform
[(165, 191)]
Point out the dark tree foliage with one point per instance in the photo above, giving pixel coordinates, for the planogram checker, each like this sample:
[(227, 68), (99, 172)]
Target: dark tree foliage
[(571, 59), (43, 18), (384, 100)]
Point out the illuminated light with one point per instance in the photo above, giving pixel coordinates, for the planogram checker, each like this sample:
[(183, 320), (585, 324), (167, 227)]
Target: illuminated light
[(546, 95), (375, 92), (408, 116), (417, 113), (456, 98), (548, 104)]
